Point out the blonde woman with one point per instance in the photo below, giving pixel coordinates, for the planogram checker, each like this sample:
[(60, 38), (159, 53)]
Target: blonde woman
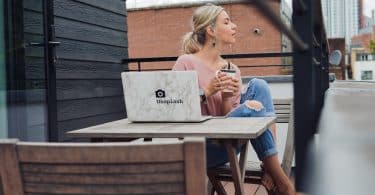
[(212, 31)]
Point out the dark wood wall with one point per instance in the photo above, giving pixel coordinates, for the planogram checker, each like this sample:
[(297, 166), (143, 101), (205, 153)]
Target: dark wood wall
[(93, 36)]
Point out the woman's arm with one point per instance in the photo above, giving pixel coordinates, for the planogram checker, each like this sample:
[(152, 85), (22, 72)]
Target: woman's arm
[(227, 106)]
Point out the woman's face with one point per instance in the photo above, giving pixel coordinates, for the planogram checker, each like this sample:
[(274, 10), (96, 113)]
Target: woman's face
[(225, 29)]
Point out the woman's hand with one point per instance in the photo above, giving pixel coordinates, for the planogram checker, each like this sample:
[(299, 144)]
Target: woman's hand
[(217, 84), (233, 85)]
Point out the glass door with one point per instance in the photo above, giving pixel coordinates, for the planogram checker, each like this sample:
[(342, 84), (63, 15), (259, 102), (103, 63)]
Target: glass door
[(3, 107), (30, 70)]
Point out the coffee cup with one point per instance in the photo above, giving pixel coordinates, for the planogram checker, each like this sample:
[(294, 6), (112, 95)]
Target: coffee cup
[(231, 73)]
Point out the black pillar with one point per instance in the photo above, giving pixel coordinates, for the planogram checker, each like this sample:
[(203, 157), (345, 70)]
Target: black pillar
[(304, 87)]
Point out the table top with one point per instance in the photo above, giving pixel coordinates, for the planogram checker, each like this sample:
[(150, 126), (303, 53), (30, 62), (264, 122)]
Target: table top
[(215, 128)]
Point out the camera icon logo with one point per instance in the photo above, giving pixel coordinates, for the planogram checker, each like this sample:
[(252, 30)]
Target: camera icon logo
[(160, 93)]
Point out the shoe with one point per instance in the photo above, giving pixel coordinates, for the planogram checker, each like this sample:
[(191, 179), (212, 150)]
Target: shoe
[(269, 184)]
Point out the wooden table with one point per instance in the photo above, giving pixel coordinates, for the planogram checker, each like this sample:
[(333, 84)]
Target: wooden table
[(231, 132)]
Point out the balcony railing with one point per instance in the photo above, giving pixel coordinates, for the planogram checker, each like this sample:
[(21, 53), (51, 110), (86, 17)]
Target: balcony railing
[(140, 61)]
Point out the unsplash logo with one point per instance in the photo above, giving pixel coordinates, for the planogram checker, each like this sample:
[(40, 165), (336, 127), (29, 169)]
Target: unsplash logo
[(160, 93), (160, 98)]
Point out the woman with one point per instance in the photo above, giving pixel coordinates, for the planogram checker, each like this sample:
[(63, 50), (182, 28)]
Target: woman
[(212, 32)]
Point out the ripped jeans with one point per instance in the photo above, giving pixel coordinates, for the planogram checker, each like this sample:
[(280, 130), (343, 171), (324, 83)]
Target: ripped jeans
[(263, 145)]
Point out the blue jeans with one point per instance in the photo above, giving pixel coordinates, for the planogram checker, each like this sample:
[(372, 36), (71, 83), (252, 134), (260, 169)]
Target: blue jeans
[(263, 145)]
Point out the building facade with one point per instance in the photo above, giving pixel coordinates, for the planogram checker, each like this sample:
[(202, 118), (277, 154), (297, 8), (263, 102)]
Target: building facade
[(363, 39), (340, 70), (342, 18), (363, 66), (60, 66)]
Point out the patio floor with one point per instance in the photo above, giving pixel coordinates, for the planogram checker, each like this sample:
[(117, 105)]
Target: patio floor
[(250, 189)]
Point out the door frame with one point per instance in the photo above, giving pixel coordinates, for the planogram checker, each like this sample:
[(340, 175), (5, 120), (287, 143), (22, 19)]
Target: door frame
[(50, 71)]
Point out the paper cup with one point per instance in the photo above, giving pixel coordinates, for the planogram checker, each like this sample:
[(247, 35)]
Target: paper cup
[(231, 73)]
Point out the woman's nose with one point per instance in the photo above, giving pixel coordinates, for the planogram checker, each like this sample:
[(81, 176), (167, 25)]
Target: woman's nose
[(234, 26)]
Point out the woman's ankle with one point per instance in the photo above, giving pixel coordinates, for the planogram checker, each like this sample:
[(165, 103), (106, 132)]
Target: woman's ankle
[(285, 188)]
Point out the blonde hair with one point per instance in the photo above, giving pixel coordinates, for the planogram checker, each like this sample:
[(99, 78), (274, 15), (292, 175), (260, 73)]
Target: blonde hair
[(203, 17)]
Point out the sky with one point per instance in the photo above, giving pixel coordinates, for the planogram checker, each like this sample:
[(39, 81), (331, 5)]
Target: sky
[(368, 4)]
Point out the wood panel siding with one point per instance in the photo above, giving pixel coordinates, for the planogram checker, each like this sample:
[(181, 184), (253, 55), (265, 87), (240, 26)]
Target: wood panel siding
[(93, 36)]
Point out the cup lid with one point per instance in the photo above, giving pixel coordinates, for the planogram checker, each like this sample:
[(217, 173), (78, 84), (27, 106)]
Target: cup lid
[(228, 70)]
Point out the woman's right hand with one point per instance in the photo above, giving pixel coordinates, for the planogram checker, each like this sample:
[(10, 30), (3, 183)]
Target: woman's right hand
[(217, 84)]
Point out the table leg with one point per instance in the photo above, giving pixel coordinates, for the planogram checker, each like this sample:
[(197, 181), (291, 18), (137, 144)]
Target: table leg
[(243, 159), (217, 185), (234, 165)]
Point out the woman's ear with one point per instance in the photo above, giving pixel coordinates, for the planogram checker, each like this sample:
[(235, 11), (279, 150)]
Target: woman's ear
[(210, 31)]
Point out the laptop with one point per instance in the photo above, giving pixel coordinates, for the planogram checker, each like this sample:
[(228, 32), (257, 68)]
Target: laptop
[(162, 96)]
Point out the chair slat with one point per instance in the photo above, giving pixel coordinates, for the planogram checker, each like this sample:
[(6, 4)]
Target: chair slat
[(281, 106), (282, 115), (103, 169), (109, 153), (100, 179), (287, 111), (104, 189), (282, 120)]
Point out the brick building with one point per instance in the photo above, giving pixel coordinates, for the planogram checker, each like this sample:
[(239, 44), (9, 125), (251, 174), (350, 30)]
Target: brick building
[(338, 44), (157, 32)]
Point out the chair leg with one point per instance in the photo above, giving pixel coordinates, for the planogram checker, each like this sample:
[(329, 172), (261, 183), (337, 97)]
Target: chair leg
[(210, 188), (216, 184)]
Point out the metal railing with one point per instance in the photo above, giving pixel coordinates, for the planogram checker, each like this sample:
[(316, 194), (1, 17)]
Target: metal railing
[(139, 61)]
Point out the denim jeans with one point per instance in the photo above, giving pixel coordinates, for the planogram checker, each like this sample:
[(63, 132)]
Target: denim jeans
[(263, 145)]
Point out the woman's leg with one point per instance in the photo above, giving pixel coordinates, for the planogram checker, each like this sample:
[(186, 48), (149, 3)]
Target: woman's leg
[(272, 167), (264, 145), (216, 154), (257, 90)]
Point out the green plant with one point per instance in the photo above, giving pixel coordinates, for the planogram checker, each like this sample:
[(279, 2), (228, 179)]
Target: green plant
[(372, 46)]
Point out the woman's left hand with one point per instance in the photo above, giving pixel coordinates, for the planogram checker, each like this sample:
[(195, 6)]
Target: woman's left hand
[(234, 86)]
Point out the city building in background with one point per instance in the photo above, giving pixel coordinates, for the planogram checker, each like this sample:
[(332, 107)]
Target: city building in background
[(363, 39), (342, 18), (363, 65), (341, 70), (362, 56), (368, 23)]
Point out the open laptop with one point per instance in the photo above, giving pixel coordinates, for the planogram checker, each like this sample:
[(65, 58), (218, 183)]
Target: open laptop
[(162, 96)]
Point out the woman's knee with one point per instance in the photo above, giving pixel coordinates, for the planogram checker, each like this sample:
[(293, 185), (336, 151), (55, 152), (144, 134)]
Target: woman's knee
[(258, 84)]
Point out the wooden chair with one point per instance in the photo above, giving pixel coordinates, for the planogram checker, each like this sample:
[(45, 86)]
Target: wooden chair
[(254, 172), (177, 167)]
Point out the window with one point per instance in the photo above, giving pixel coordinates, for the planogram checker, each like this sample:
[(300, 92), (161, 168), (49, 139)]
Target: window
[(3, 106), (366, 75)]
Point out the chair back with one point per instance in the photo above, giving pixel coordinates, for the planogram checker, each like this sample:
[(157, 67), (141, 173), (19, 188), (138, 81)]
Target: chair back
[(103, 168), (284, 114), (283, 110)]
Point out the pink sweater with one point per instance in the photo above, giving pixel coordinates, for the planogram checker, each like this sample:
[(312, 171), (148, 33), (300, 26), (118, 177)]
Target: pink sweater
[(205, 74)]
